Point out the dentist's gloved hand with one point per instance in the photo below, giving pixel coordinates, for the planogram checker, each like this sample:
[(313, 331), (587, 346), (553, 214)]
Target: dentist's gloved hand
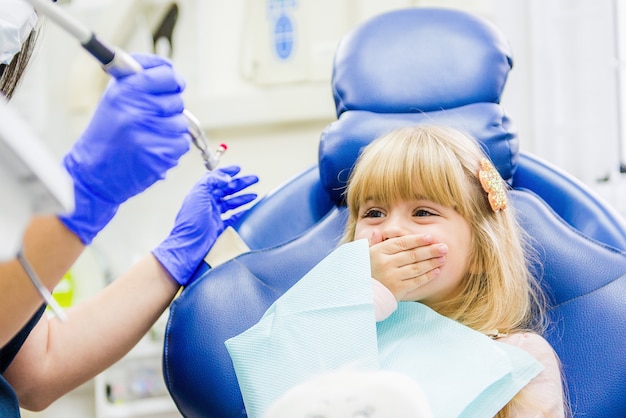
[(199, 221), (137, 133)]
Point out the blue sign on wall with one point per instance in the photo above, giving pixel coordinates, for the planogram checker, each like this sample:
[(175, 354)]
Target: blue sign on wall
[(284, 31), (283, 37)]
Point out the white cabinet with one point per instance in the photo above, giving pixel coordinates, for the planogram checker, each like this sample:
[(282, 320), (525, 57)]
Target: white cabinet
[(134, 386)]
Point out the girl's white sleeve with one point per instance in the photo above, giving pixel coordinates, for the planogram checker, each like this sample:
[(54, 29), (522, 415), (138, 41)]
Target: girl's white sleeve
[(543, 396), (384, 301)]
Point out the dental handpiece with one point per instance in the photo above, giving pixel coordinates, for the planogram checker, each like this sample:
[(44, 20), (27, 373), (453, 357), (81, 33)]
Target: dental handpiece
[(119, 63)]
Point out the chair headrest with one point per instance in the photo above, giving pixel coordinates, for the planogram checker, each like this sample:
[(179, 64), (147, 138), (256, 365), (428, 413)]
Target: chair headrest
[(343, 140), (413, 66), (420, 60)]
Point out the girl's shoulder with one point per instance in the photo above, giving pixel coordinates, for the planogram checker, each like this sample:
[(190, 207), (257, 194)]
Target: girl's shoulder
[(545, 391), (532, 343), (522, 338)]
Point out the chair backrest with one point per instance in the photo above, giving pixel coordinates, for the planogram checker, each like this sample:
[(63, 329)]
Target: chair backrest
[(403, 68)]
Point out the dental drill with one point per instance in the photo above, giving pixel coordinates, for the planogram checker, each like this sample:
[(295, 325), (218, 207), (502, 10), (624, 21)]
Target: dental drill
[(118, 63)]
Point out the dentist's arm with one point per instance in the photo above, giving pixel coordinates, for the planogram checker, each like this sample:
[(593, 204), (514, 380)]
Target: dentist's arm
[(50, 249), (137, 133), (57, 357)]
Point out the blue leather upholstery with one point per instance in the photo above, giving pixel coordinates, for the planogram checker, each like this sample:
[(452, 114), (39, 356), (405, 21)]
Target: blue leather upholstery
[(407, 67), (301, 200), (223, 303), (586, 282), (572, 200)]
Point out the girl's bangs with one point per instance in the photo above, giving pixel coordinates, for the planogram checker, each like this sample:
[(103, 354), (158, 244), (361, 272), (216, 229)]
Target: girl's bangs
[(404, 173)]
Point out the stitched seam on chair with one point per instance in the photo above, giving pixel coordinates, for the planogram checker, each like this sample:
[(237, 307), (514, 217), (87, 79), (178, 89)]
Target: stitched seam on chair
[(166, 350), (342, 108), (583, 236), (332, 212), (587, 293), (259, 280), (570, 227)]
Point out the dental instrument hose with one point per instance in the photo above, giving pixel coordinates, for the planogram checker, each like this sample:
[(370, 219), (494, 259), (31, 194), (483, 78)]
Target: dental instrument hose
[(119, 63), (41, 289)]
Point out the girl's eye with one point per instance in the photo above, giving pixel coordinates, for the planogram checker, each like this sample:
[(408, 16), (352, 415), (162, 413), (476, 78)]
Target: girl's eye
[(373, 213), (423, 212)]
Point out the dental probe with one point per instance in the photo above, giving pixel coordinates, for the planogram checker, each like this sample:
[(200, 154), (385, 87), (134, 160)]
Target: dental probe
[(119, 63)]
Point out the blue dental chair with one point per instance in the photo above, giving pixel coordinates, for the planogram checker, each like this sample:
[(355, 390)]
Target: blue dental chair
[(406, 67)]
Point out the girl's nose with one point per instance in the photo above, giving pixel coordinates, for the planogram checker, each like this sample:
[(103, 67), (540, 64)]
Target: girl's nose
[(393, 228)]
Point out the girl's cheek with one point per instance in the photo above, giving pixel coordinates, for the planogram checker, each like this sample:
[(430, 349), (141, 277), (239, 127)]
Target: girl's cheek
[(375, 237), (363, 233)]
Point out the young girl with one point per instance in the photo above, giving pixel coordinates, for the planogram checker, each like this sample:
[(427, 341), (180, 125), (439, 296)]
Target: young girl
[(435, 184)]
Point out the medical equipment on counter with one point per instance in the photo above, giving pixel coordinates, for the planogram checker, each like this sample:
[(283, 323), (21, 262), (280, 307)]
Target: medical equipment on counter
[(119, 63), (32, 183)]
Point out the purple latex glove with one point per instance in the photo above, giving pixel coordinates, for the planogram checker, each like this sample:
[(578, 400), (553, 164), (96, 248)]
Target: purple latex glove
[(137, 133), (199, 221)]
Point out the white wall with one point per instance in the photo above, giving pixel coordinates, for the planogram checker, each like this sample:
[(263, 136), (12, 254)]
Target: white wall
[(563, 87)]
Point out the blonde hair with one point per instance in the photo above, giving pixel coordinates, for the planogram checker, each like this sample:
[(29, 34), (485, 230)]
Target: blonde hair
[(441, 164)]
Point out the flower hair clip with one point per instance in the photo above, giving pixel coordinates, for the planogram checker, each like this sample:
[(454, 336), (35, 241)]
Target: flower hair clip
[(493, 184)]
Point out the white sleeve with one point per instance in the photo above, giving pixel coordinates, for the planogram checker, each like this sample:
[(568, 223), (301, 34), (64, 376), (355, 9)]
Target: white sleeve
[(385, 302), (543, 396)]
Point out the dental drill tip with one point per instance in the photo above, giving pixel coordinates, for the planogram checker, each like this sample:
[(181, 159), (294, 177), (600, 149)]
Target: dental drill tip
[(220, 151)]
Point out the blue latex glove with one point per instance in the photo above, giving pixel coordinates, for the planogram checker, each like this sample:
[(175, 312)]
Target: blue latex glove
[(137, 133), (199, 221)]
